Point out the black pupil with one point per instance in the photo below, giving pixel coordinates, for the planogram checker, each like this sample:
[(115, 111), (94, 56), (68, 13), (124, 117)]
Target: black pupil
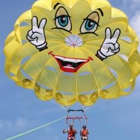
[(90, 24), (63, 19)]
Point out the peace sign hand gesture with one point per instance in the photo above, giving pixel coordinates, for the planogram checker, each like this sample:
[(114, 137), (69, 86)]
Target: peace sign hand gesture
[(110, 45), (36, 35)]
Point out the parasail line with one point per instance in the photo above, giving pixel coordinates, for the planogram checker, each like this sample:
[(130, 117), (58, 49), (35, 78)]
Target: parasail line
[(45, 77), (37, 128), (96, 104), (53, 101)]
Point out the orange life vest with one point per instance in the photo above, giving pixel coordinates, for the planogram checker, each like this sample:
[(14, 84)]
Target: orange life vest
[(71, 132), (84, 132)]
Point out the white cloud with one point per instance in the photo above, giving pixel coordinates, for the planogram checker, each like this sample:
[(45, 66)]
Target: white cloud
[(132, 4), (4, 125), (14, 126), (135, 23), (21, 124), (136, 1)]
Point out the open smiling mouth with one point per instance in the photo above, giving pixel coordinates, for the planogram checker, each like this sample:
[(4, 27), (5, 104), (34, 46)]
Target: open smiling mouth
[(70, 64)]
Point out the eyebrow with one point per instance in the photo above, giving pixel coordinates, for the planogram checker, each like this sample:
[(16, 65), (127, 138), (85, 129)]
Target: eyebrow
[(56, 5), (102, 13)]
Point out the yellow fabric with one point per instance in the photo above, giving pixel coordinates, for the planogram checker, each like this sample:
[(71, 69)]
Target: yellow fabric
[(107, 79)]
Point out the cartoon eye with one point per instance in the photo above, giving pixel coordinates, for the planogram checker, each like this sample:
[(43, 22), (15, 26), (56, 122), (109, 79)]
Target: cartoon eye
[(63, 22), (89, 26)]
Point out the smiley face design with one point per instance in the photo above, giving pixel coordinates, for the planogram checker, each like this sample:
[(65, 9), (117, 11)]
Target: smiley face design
[(63, 22)]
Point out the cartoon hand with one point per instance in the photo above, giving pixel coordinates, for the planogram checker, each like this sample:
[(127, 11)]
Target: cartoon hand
[(36, 35), (64, 131), (110, 45)]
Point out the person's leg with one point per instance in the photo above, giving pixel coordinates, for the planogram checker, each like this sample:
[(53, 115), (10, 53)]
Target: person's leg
[(85, 138), (71, 138)]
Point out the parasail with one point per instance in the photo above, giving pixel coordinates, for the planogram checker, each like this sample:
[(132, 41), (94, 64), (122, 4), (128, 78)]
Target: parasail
[(73, 51)]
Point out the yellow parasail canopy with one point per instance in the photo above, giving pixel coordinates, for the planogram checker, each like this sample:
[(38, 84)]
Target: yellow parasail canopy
[(73, 51)]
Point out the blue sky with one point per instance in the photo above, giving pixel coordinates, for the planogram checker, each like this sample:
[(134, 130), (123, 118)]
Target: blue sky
[(21, 111)]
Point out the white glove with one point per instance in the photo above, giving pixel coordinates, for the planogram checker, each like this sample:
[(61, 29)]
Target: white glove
[(36, 35), (110, 45), (65, 131)]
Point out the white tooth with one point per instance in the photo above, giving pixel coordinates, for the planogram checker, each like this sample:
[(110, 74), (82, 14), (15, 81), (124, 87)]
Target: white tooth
[(74, 60), (80, 61), (69, 67), (70, 60), (61, 58)]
